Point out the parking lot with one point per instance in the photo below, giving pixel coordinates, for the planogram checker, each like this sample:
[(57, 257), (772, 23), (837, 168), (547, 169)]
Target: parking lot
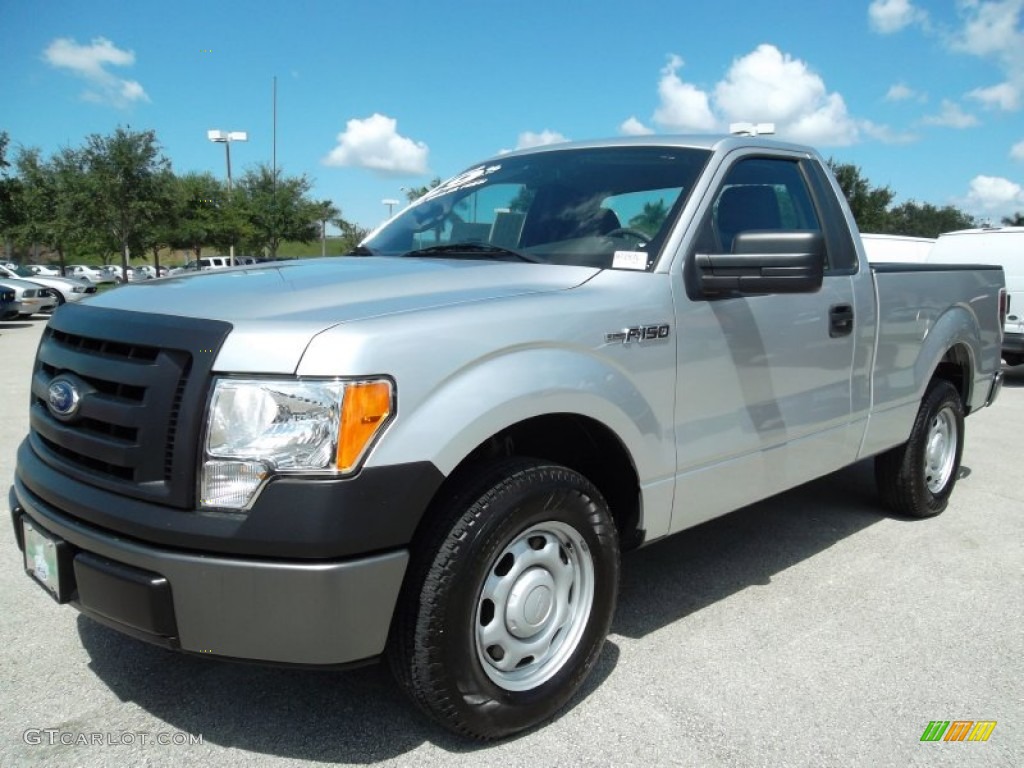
[(812, 629)]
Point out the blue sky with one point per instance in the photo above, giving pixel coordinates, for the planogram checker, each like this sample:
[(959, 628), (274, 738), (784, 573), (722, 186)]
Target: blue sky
[(926, 97)]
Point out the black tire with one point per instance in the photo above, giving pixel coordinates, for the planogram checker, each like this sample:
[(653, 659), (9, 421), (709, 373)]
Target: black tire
[(916, 479), (510, 525)]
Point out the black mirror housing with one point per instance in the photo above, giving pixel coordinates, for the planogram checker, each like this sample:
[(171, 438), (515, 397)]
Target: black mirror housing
[(765, 262)]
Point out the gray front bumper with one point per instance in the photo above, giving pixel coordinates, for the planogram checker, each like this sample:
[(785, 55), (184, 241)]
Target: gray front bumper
[(319, 613)]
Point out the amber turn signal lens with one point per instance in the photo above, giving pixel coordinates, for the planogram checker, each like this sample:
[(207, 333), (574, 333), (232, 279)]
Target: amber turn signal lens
[(365, 411)]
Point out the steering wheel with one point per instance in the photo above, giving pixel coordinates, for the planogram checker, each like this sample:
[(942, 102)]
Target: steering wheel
[(642, 237)]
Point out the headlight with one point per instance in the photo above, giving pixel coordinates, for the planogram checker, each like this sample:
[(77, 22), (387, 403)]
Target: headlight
[(78, 289), (260, 427)]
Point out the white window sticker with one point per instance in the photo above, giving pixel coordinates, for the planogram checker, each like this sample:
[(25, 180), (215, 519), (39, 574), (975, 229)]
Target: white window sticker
[(630, 260)]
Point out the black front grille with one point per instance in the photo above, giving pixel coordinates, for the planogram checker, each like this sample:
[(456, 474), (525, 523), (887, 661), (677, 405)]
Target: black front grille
[(142, 384)]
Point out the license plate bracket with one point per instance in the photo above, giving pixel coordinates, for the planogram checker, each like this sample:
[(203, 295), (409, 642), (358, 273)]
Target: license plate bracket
[(48, 561)]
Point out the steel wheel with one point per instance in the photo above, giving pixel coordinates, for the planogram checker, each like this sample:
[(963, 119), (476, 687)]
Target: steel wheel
[(508, 597), (534, 606), (917, 478), (940, 450)]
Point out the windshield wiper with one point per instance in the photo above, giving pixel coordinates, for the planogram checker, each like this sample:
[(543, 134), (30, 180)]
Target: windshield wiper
[(474, 249)]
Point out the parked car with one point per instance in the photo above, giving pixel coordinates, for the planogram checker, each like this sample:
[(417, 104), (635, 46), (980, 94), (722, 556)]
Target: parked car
[(208, 263), (149, 272), (29, 297), (39, 269), (65, 289), (6, 301), (83, 272), (116, 274)]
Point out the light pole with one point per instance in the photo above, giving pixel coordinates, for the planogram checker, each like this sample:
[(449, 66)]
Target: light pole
[(390, 204), (225, 138)]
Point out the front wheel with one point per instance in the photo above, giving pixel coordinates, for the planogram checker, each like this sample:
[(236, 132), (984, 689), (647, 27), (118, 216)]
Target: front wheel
[(917, 478), (508, 599)]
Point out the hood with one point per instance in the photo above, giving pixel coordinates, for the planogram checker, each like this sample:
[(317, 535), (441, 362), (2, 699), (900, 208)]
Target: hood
[(277, 308)]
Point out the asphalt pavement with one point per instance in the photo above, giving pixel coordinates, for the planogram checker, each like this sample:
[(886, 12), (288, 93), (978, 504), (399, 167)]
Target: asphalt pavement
[(812, 629)]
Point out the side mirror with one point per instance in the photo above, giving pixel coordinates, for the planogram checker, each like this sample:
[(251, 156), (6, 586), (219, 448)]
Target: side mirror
[(765, 262)]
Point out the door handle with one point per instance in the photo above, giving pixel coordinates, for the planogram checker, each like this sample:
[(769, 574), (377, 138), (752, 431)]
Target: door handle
[(840, 320)]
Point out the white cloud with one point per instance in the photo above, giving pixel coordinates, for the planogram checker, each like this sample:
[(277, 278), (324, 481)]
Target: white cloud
[(529, 139), (993, 196), (1017, 151), (767, 85), (683, 106), (1005, 96), (633, 127), (90, 62), (951, 116), (375, 143), (991, 27), (992, 30), (889, 16), (885, 134), (903, 92)]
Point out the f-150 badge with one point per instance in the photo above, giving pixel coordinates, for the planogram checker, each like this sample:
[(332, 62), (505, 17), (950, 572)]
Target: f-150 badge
[(639, 333)]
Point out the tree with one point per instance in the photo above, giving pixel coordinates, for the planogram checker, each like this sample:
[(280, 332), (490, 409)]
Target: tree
[(10, 197), (325, 211), (276, 208), (123, 183), (162, 232), (1017, 220), (412, 194), (53, 200), (651, 218), (195, 212), (868, 204), (926, 220), (351, 234)]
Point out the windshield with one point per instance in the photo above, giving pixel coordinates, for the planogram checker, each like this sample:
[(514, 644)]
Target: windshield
[(609, 208)]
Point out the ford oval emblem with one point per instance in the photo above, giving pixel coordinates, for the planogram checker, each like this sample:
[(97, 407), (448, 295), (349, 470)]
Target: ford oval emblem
[(63, 398)]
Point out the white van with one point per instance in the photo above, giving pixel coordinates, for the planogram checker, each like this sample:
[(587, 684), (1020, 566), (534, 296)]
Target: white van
[(898, 248), (1003, 246)]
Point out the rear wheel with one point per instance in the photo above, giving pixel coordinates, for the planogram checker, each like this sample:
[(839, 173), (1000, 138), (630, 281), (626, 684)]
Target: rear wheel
[(508, 599), (917, 478)]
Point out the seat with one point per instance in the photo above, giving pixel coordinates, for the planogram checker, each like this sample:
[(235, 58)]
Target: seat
[(469, 232), (559, 213), (745, 208)]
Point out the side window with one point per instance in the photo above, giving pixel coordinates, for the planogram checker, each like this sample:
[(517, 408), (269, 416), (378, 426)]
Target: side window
[(758, 194)]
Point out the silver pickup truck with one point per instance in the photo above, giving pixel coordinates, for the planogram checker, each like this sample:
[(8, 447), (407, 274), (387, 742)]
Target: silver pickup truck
[(435, 449)]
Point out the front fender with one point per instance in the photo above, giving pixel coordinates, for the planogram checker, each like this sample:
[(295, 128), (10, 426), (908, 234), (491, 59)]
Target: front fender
[(493, 393)]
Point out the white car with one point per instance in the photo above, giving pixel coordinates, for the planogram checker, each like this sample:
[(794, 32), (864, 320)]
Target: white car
[(64, 288), (148, 272), (82, 272), (29, 297), (39, 269)]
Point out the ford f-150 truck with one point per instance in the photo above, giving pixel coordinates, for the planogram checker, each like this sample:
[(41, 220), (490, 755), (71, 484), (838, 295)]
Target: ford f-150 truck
[(435, 449)]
